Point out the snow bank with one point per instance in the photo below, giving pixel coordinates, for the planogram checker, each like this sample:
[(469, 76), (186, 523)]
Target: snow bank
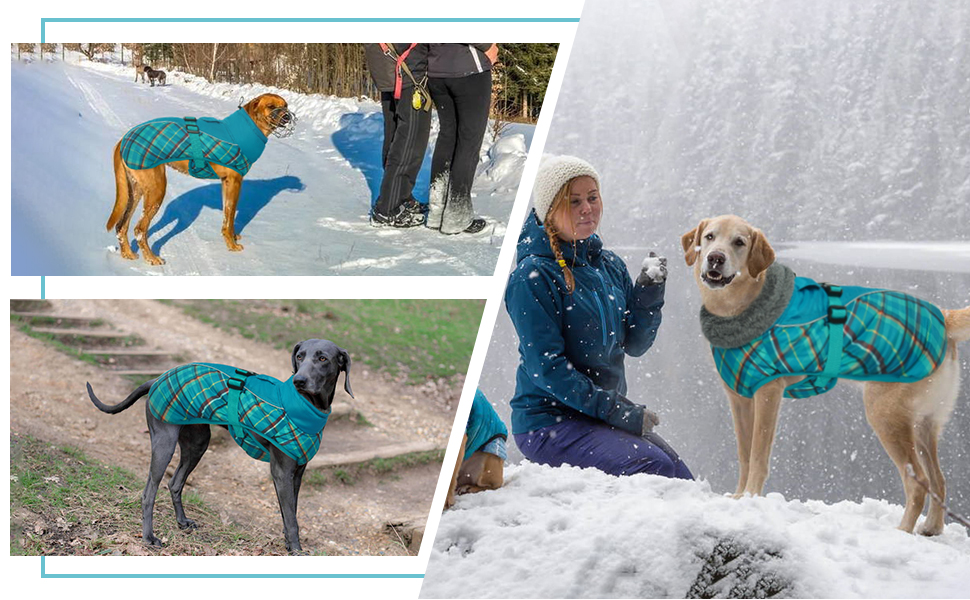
[(567, 532), (504, 162)]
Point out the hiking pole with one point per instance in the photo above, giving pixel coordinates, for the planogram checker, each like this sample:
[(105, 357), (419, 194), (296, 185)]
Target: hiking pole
[(951, 514)]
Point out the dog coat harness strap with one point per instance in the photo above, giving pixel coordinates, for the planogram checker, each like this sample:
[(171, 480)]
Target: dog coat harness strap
[(236, 384), (254, 407), (836, 318), (234, 142), (828, 332)]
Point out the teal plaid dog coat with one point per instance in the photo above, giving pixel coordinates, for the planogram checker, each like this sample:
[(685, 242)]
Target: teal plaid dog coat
[(235, 142), (825, 332), (485, 430), (245, 402)]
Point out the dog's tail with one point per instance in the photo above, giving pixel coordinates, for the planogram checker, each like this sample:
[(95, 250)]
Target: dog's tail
[(122, 190), (126, 403), (958, 324)]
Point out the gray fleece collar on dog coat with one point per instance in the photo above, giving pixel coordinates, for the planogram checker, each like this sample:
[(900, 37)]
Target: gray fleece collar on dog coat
[(731, 332)]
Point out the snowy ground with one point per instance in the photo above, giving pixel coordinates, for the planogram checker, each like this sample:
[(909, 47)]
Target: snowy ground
[(303, 208), (567, 532)]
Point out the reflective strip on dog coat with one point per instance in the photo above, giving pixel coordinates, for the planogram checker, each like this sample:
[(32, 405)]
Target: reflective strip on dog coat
[(235, 142), (273, 409), (888, 336)]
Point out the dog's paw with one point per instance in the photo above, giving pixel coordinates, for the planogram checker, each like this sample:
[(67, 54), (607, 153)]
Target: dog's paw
[(188, 525), (155, 260), (930, 530), (233, 246), (151, 540), (129, 254)]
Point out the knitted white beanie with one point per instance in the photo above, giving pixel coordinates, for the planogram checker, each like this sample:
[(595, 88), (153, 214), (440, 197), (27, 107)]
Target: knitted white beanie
[(555, 172)]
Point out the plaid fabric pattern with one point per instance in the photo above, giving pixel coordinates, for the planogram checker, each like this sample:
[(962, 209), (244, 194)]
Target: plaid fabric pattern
[(196, 393), (889, 336), (166, 140)]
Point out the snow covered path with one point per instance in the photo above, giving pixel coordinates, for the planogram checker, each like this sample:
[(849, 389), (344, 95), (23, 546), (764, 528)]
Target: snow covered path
[(567, 532), (302, 211)]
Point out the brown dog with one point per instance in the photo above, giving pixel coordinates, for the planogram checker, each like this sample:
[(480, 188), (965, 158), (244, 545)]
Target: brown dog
[(482, 471), (730, 260), (269, 112)]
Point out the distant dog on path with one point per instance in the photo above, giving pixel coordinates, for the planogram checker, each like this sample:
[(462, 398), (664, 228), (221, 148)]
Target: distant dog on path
[(154, 76), (204, 148)]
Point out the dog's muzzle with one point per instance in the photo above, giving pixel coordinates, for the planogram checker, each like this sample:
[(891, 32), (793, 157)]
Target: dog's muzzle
[(283, 121)]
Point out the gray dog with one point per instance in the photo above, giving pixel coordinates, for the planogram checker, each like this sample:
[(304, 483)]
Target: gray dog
[(280, 422)]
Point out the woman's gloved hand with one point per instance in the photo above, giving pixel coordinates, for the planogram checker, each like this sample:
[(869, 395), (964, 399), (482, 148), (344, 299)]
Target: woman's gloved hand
[(650, 420), (653, 271)]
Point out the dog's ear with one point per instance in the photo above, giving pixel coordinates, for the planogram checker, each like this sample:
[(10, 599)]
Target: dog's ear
[(343, 359), (293, 357), (761, 256), (690, 241)]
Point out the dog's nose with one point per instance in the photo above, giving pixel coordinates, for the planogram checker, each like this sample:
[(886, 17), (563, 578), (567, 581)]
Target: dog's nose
[(299, 382), (716, 259)]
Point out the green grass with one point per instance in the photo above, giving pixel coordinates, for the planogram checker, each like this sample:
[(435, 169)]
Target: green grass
[(418, 339), (64, 503), (51, 340), (379, 467)]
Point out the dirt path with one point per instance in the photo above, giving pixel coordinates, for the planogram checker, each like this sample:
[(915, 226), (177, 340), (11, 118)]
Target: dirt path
[(49, 402)]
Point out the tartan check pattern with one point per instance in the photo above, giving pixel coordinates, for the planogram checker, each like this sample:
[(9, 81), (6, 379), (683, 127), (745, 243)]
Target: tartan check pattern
[(161, 141), (889, 336), (196, 393)]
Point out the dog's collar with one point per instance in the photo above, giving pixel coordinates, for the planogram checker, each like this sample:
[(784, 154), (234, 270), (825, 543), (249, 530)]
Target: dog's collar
[(732, 332)]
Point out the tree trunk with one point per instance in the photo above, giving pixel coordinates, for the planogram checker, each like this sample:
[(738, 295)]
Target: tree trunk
[(212, 66)]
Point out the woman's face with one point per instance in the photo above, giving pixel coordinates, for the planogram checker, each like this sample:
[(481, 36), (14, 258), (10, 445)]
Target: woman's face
[(580, 214)]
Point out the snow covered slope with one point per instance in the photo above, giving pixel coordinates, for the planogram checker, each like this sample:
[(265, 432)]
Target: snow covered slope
[(567, 532), (303, 208)]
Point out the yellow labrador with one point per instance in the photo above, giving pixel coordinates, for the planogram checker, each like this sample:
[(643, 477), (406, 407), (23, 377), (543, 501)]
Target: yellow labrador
[(730, 260)]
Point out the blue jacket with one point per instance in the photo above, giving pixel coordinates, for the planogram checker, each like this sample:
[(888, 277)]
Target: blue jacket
[(572, 346), (887, 336), (248, 403), (235, 142)]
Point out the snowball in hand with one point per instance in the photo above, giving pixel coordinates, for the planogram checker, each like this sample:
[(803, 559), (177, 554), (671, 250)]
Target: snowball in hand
[(653, 271)]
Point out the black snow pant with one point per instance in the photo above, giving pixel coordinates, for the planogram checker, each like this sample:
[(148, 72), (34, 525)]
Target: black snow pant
[(462, 104), (406, 132)]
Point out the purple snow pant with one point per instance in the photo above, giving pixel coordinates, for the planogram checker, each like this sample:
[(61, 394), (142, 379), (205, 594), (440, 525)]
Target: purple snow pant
[(591, 443)]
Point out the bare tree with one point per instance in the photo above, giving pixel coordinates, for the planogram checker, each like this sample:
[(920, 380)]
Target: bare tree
[(27, 49)]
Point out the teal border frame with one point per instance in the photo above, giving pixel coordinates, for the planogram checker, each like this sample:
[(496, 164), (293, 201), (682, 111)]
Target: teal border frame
[(45, 21), (45, 575)]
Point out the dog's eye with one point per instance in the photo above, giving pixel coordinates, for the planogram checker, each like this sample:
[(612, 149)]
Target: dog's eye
[(709, 237), (323, 359), (739, 242), (300, 356)]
